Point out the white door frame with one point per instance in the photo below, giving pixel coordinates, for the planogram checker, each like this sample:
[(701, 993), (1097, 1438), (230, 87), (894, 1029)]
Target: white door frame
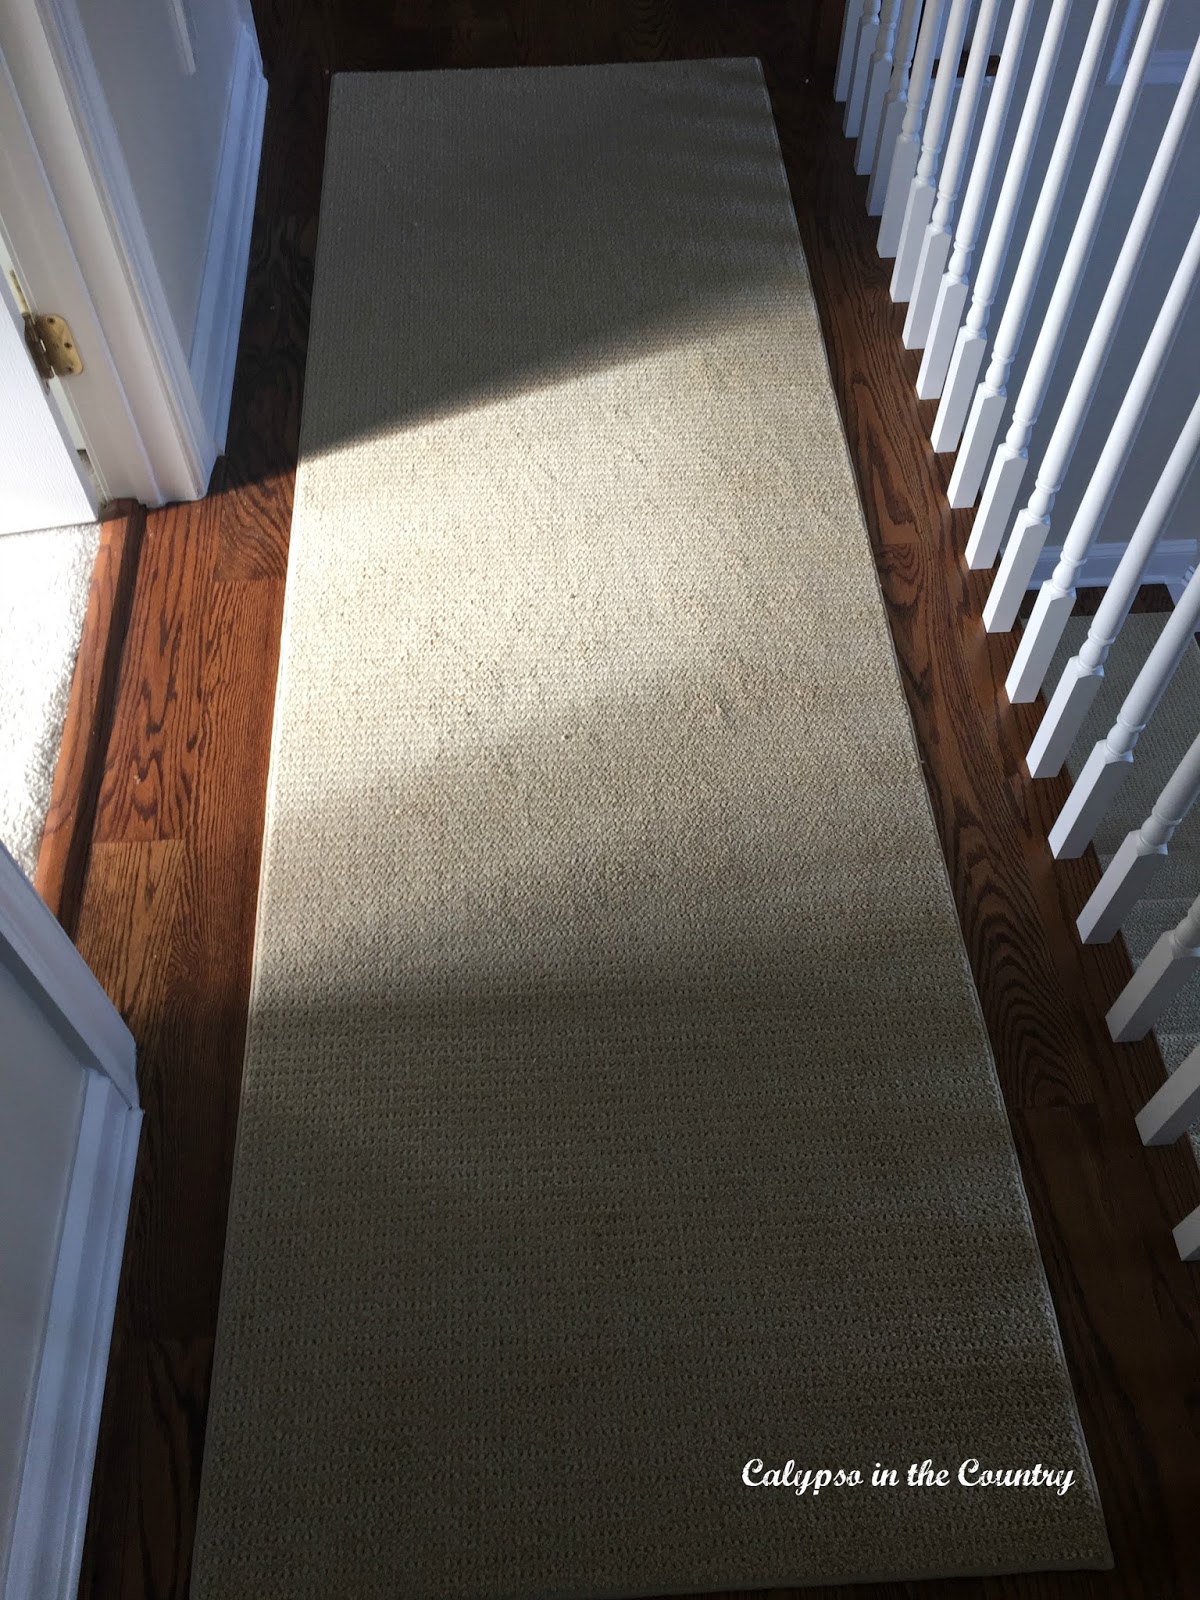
[(152, 415), (43, 1558)]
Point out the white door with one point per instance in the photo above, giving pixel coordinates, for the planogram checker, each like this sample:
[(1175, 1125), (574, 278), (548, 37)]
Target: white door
[(129, 142), (43, 482), (69, 1123)]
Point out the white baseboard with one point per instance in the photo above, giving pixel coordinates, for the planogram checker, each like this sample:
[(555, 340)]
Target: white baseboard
[(227, 255), (56, 1479), (1171, 564)]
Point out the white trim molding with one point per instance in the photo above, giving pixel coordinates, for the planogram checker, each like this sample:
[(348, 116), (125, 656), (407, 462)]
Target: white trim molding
[(47, 964), (227, 257), (47, 1542), (1172, 564), (185, 40)]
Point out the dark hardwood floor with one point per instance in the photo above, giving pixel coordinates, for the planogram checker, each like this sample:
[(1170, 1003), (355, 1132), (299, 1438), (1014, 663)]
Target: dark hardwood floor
[(166, 916)]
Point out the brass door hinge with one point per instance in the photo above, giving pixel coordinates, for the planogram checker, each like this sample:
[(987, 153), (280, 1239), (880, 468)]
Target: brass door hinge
[(52, 346)]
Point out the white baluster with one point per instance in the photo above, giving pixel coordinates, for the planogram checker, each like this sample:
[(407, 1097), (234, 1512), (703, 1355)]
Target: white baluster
[(851, 18), (1174, 959), (891, 116), (1130, 871), (971, 342), (1033, 524), (1112, 756), (868, 30), (935, 244), (1171, 1112), (1008, 465), (1056, 599), (908, 145), (1082, 676), (918, 206), (1187, 1236), (879, 73)]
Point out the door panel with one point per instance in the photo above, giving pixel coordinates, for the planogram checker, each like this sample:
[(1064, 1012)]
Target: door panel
[(41, 1102), (69, 1125), (137, 127), (43, 483)]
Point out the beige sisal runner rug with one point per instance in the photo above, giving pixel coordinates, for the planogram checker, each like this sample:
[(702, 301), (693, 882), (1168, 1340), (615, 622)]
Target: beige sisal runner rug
[(618, 1110)]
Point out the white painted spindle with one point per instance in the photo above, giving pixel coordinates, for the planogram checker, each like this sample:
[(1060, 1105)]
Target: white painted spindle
[(1084, 673), (918, 206), (851, 18), (1033, 524), (879, 74), (868, 30), (1187, 1236), (1130, 871), (935, 245), (1112, 756), (1008, 465), (951, 293), (891, 117), (1174, 960), (908, 144), (971, 342), (1171, 1112), (1056, 598)]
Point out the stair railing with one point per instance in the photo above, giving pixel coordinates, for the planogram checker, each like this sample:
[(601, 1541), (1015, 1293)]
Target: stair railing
[(1081, 678), (942, 177)]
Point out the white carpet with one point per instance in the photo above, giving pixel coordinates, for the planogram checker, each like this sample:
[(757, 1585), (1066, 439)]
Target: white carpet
[(44, 583), (617, 1109)]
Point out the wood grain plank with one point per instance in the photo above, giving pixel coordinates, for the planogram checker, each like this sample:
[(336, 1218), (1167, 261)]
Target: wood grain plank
[(150, 773), (142, 1519), (67, 836), (171, 923), (134, 932)]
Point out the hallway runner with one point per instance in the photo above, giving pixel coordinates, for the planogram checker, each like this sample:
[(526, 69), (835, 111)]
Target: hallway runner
[(619, 1124)]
